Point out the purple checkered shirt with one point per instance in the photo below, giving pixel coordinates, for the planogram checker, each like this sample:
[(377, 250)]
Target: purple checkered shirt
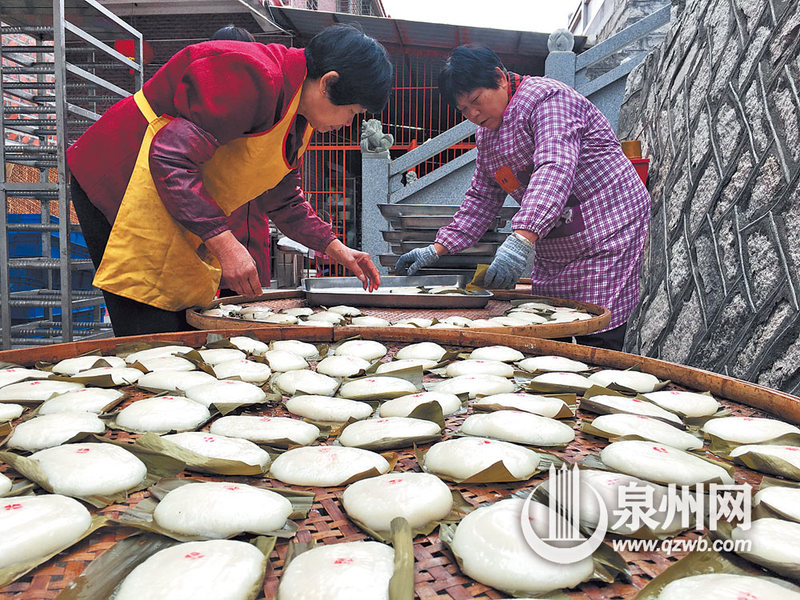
[(576, 190)]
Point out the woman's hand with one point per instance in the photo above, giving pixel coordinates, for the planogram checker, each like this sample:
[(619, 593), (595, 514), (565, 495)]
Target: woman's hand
[(360, 263), (238, 268)]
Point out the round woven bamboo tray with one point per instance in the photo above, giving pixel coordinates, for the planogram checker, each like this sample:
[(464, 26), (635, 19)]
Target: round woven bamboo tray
[(436, 573), (280, 299)]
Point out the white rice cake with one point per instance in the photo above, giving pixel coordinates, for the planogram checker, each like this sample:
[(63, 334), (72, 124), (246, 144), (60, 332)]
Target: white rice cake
[(632, 380), (304, 349), (457, 321), (93, 400), (5, 484), (518, 427), (405, 405), (375, 385), (420, 498), (783, 500), (223, 447), (275, 319), (167, 363), (229, 391), (482, 324), (690, 404), (727, 586), (15, 374), (479, 367), (281, 361), (257, 313), (620, 425), (748, 430), (300, 311), (475, 385), (532, 306), (790, 454), (532, 403), (528, 318), (552, 364), (772, 541), (366, 349), (326, 317), (161, 414), (36, 526), (635, 406), (318, 324), (173, 381), (501, 353), (91, 469), (9, 411), (461, 458), (38, 390), (418, 322), (266, 430), (246, 370), (51, 430), (342, 571), (565, 379), (370, 431), (218, 509), (72, 366), (306, 382), (661, 463), (607, 484), (212, 570), (156, 352), (426, 350), (408, 363), (213, 356), (325, 466), (346, 311), (493, 551), (328, 409), (369, 321), (342, 366), (249, 345), (508, 321), (119, 376)]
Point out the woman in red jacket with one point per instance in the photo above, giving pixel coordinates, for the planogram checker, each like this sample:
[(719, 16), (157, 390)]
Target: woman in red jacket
[(222, 123)]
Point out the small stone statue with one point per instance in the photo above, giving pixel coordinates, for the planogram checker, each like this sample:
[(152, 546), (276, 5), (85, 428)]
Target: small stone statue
[(372, 137), (561, 40)]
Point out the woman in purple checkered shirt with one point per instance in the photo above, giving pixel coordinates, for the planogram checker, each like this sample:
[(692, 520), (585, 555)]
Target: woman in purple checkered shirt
[(584, 211)]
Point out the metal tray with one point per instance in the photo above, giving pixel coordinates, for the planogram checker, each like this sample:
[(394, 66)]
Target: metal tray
[(429, 235), (330, 291), (448, 261), (436, 210), (488, 249), (411, 222)]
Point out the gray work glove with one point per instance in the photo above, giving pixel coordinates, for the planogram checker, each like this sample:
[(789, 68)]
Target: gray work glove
[(417, 259), (509, 264)]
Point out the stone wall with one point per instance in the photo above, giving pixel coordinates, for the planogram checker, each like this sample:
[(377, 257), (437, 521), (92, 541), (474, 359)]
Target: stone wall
[(717, 109)]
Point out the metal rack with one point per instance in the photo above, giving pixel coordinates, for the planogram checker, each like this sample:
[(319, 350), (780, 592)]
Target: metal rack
[(52, 89)]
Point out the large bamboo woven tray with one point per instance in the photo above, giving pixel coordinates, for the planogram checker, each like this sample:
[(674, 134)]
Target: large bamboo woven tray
[(436, 574), (280, 299)]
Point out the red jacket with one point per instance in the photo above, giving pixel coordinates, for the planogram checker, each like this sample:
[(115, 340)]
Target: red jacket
[(217, 91)]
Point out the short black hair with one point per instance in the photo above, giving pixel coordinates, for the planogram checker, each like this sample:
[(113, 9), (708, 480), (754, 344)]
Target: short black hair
[(365, 72), (231, 32), (468, 68)]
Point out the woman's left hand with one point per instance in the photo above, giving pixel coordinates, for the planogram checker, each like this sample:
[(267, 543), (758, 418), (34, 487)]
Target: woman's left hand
[(360, 263)]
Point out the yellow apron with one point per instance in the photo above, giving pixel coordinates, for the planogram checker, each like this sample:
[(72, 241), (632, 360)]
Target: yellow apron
[(150, 257)]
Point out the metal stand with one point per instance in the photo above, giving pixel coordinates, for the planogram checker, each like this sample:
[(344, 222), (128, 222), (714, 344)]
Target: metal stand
[(52, 92)]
